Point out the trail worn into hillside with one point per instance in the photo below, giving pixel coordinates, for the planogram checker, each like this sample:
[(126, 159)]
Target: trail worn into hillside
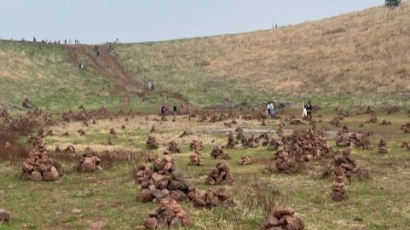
[(108, 66)]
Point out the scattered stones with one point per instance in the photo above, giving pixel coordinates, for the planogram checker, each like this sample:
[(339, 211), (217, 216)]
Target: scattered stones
[(70, 149), (89, 163), (195, 159), (406, 127), (27, 104), (336, 122), (373, 119), (169, 214), (231, 141), (385, 123), (173, 147), (152, 143), (296, 122), (282, 219), (220, 175), (66, 134), (113, 133), (211, 198), (359, 140), (218, 153), (245, 160), (123, 127), (81, 132), (274, 144), (382, 147), (195, 145), (38, 166), (4, 216), (161, 179)]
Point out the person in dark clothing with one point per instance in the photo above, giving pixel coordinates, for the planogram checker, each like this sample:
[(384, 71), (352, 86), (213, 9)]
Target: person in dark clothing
[(175, 112), (163, 110), (309, 109)]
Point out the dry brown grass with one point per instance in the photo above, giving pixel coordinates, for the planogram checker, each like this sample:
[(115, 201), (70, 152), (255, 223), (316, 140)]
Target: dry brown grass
[(363, 52)]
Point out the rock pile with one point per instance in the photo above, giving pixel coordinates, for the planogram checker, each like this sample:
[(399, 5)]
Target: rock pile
[(283, 219), (152, 142), (4, 216), (406, 127), (274, 144), (336, 122), (344, 164), (245, 160), (173, 147), (359, 140), (196, 145), (296, 122), (385, 123), (195, 159), (161, 180), (220, 175), (27, 104), (169, 214), (250, 142), (338, 188), (405, 145), (239, 134), (300, 146), (81, 132), (211, 198), (382, 147), (231, 141), (218, 153), (89, 163), (113, 133), (373, 119), (38, 166)]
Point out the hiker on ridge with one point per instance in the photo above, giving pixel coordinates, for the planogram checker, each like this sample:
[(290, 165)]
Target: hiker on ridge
[(163, 110), (309, 109), (175, 112)]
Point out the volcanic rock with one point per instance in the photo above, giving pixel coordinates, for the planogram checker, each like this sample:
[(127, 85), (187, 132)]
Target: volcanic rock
[(220, 175)]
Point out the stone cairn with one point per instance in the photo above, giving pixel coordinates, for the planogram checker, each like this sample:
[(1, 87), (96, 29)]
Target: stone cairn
[(359, 140), (406, 127), (211, 198), (385, 123), (344, 162), (196, 145), (4, 216), (245, 160), (338, 187), (152, 142), (161, 179), (220, 175), (39, 166), (382, 147), (231, 141), (300, 146), (218, 153), (195, 159), (283, 219), (405, 145), (169, 214), (89, 163), (173, 147)]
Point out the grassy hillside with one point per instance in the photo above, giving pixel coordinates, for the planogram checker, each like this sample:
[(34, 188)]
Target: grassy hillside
[(362, 56), (357, 54)]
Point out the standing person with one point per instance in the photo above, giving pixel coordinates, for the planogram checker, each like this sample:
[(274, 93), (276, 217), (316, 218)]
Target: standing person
[(163, 110), (304, 112), (309, 109), (268, 108), (175, 112), (272, 109)]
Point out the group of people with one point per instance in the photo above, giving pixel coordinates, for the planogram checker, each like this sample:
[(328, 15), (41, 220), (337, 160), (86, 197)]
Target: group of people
[(307, 110), (270, 108), (164, 111)]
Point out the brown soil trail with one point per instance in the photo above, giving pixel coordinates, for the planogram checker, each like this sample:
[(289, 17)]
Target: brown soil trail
[(108, 66)]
